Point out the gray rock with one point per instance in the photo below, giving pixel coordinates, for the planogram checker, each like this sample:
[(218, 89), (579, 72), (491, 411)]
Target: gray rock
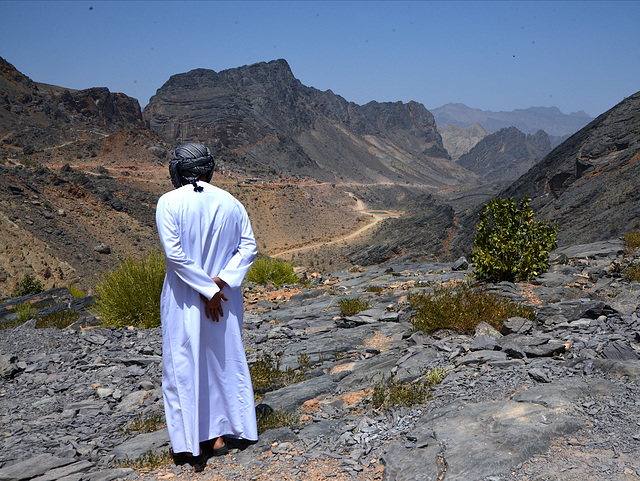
[(32, 466), (516, 325)]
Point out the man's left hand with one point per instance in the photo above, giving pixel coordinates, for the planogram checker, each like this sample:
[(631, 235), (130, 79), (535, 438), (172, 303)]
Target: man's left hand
[(213, 307)]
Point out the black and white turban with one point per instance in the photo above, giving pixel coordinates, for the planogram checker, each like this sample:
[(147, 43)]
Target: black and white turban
[(190, 162)]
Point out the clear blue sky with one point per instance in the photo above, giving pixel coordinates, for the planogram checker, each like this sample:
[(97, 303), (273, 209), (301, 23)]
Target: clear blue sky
[(490, 55)]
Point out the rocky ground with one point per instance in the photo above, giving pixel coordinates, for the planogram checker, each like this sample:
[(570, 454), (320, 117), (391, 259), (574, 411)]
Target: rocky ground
[(552, 400)]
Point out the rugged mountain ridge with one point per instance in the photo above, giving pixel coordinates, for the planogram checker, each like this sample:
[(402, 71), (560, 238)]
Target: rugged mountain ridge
[(588, 184), (34, 118), (458, 140), (506, 155), (529, 121), (271, 120)]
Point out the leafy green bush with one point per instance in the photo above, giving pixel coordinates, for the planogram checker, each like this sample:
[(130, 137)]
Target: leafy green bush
[(510, 243), (28, 285), (274, 270), (129, 295), (462, 308), (350, 307)]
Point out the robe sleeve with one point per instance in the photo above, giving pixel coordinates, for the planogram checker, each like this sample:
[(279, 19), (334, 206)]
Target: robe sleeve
[(184, 267), (238, 266)]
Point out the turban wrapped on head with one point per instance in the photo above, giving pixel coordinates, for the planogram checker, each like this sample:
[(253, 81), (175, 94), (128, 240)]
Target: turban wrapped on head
[(190, 162)]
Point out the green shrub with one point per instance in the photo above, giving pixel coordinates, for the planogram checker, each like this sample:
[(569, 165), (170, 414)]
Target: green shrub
[(631, 240), (25, 312), (390, 392), (376, 289), (76, 291), (129, 295), (274, 270), (350, 307), (510, 243), (28, 285), (462, 308)]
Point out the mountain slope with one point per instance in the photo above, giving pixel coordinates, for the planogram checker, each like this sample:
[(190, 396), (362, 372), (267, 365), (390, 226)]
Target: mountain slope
[(505, 155), (266, 116)]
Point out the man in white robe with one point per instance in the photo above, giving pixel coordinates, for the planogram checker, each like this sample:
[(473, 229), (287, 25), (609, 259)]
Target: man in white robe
[(209, 246)]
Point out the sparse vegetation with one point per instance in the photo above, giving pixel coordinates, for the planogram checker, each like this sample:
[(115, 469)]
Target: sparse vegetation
[(266, 375), (376, 289), (632, 273), (25, 312), (146, 423), (275, 419), (27, 286), (57, 320), (267, 270), (510, 243), (389, 392), (76, 291), (462, 308), (149, 461), (129, 295), (350, 307), (631, 241)]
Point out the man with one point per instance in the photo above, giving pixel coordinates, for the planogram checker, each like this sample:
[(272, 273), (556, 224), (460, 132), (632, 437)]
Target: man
[(209, 247)]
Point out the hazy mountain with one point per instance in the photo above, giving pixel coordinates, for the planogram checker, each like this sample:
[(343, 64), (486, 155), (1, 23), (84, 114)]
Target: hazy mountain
[(505, 155), (529, 121), (271, 120)]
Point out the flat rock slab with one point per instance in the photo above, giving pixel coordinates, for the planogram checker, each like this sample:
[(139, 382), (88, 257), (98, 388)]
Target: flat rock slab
[(32, 467), (469, 442)]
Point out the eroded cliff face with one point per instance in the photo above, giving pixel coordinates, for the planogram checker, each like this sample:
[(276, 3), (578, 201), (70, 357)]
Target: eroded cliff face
[(266, 116)]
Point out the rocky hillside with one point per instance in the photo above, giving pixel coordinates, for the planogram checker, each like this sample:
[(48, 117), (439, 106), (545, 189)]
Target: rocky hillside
[(529, 121), (505, 155), (556, 394), (587, 185), (458, 140), (264, 115)]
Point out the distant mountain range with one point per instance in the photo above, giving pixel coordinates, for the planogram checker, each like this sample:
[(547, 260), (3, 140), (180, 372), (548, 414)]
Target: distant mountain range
[(529, 121)]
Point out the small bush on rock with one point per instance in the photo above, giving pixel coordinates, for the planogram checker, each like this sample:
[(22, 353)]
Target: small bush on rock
[(28, 285), (631, 241), (510, 243), (390, 392), (129, 295), (266, 269), (350, 307), (462, 308)]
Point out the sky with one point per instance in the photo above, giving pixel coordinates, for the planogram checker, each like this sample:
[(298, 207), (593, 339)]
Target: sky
[(500, 56)]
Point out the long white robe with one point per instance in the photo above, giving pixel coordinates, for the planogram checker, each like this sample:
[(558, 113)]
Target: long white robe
[(206, 384)]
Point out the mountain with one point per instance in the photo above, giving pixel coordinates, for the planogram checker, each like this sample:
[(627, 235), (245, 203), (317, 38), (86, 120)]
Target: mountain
[(458, 140), (271, 121), (529, 121), (34, 116), (506, 155), (588, 185)]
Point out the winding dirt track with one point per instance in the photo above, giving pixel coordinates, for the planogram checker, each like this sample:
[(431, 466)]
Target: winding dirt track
[(377, 218)]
